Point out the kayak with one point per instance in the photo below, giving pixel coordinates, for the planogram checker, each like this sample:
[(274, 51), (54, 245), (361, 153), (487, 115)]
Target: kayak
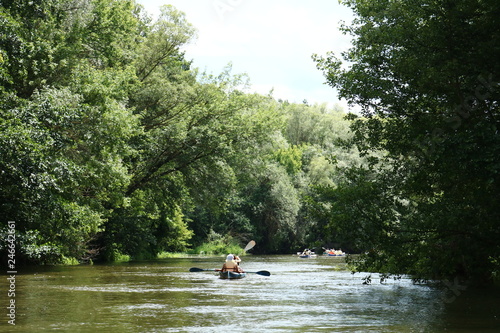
[(231, 275), (308, 256)]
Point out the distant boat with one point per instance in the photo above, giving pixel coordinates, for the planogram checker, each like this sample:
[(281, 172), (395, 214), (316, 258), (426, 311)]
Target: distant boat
[(308, 255)]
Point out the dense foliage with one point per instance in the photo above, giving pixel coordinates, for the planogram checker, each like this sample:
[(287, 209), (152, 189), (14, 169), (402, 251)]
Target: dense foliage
[(426, 76), (112, 144)]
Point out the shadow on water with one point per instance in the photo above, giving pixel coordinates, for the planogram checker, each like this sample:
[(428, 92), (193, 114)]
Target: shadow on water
[(301, 295)]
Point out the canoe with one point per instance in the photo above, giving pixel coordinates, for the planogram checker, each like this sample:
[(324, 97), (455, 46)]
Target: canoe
[(231, 275)]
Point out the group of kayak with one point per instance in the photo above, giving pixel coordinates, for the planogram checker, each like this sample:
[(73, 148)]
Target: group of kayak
[(327, 252), (334, 253), (231, 268)]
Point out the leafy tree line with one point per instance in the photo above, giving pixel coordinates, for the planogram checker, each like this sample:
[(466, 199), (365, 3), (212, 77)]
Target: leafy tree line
[(112, 143), (426, 76)]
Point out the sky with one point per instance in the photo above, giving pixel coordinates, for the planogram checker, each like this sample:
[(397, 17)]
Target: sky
[(272, 41)]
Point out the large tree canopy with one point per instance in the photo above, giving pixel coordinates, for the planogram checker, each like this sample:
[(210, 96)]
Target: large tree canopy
[(108, 136), (112, 143), (426, 76)]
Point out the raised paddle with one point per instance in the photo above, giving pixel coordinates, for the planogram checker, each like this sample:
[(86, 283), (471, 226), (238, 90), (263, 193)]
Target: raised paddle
[(250, 245), (196, 269)]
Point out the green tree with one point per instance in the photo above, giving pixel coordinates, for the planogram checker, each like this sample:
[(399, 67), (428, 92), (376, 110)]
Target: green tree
[(67, 32), (65, 124), (273, 207), (423, 73), (195, 125)]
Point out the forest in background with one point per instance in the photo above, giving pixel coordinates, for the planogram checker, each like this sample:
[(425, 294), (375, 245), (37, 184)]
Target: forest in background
[(112, 143)]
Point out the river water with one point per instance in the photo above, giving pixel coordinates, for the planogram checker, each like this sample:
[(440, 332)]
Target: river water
[(301, 295)]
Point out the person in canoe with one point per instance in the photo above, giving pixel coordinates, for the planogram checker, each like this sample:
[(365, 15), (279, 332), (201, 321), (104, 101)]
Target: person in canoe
[(231, 265)]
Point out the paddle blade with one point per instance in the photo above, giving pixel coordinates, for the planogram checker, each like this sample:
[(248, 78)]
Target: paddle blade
[(195, 269), (263, 273), (250, 245)]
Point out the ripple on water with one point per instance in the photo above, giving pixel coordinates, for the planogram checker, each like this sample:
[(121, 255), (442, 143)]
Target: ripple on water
[(300, 296)]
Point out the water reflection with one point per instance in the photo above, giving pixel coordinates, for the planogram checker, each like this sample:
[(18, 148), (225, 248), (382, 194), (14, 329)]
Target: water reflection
[(301, 295)]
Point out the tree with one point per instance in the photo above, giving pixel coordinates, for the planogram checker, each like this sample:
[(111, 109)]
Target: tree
[(65, 125), (195, 126), (423, 72), (112, 143), (273, 207)]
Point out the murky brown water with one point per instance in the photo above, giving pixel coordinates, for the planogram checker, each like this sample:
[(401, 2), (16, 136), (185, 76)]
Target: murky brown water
[(301, 295)]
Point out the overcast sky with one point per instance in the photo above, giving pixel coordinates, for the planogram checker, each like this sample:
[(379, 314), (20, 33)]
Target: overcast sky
[(270, 40)]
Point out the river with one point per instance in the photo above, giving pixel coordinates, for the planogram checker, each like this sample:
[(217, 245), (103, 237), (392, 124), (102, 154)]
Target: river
[(301, 295)]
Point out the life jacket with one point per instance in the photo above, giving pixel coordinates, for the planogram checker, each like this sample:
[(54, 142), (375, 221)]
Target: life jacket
[(235, 268)]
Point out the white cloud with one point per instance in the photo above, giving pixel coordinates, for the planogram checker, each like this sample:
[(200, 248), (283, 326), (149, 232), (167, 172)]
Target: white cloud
[(271, 41)]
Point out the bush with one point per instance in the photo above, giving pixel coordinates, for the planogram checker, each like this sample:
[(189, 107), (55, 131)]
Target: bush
[(31, 249), (218, 244)]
